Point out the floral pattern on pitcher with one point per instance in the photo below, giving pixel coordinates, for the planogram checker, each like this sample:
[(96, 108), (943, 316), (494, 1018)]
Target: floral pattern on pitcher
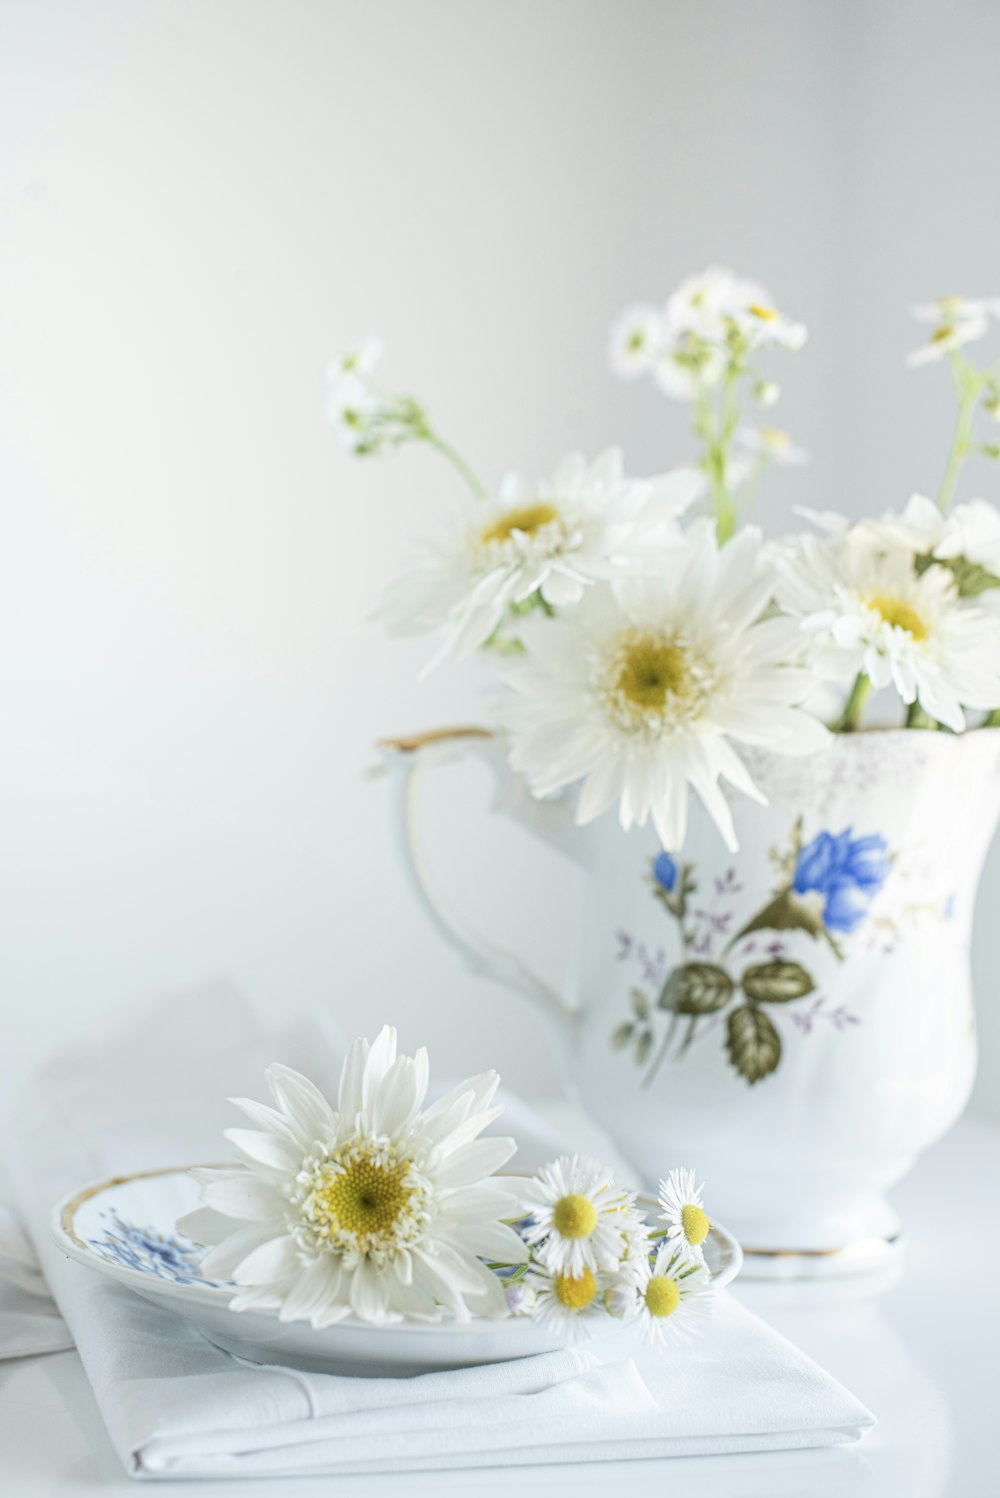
[(826, 890)]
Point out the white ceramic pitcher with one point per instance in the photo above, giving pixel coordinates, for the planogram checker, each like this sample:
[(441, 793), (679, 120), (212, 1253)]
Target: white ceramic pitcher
[(795, 1019)]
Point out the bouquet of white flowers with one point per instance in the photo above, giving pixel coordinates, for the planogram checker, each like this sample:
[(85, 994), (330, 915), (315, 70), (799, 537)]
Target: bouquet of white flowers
[(640, 643), (385, 1209)]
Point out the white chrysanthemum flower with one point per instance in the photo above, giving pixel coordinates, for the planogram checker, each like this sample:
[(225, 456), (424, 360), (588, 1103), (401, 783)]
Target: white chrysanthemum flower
[(554, 537), (643, 691), (578, 1216), (684, 1212), (772, 444), (635, 341), (374, 1208), (957, 320), (675, 1296), (685, 365), (868, 609), (969, 533)]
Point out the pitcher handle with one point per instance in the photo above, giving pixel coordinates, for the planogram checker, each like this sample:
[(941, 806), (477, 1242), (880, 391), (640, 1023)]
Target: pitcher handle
[(416, 757)]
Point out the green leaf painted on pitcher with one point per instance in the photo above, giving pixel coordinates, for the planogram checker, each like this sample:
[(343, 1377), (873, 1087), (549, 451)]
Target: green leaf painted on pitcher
[(753, 1044), (697, 988), (776, 982)]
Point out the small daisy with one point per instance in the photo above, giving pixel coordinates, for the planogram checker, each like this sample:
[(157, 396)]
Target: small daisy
[(684, 1212), (579, 1216), (366, 420), (566, 1300), (674, 1294), (635, 341), (957, 320), (642, 692), (763, 326), (552, 538), (703, 305), (376, 1208), (771, 444)]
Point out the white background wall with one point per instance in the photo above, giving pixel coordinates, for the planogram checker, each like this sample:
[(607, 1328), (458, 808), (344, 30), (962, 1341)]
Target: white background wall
[(202, 199)]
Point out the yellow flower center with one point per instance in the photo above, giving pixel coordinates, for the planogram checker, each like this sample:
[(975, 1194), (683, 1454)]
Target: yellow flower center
[(766, 314), (663, 1296), (637, 341), (899, 613), (574, 1216), (942, 334), (362, 1198), (575, 1292), (365, 1199), (651, 670), (525, 518), (694, 1224), (775, 438)]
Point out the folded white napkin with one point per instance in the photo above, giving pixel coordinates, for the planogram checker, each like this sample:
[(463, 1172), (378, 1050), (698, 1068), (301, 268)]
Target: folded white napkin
[(175, 1406), (29, 1318)]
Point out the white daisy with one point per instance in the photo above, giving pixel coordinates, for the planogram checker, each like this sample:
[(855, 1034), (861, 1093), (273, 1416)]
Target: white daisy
[(869, 610), (365, 419), (704, 304), (566, 1300), (957, 320), (373, 1208), (552, 538), (686, 365), (642, 692), (969, 533), (684, 1212), (674, 1294), (578, 1216), (763, 326), (635, 341), (771, 444)]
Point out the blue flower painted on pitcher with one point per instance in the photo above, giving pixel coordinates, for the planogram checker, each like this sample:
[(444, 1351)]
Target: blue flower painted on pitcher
[(847, 871), (665, 872)]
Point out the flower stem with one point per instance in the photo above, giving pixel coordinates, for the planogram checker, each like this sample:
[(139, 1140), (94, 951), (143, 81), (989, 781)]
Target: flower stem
[(967, 386), (850, 717), (916, 717), (717, 437), (455, 459)]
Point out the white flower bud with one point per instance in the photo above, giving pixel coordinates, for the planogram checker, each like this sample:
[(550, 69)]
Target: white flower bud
[(520, 1298), (621, 1300), (767, 393)]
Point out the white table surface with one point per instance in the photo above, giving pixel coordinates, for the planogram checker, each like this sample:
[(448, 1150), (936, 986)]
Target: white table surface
[(920, 1346)]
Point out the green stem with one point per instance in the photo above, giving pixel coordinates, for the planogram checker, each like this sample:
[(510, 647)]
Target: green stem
[(717, 437), (968, 384), (456, 460), (850, 717), (916, 717), (992, 720)]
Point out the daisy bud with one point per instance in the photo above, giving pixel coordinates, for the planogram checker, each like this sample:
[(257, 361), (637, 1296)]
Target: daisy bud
[(621, 1301), (767, 392), (520, 1298)]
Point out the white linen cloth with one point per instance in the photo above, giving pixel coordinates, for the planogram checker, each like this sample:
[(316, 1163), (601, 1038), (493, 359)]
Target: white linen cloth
[(175, 1406), (30, 1322)]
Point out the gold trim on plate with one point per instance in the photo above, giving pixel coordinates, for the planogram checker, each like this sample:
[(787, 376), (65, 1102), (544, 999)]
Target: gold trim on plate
[(71, 1207), (413, 741)]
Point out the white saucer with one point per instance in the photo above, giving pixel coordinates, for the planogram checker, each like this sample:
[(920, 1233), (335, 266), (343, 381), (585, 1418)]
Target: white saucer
[(125, 1228)]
